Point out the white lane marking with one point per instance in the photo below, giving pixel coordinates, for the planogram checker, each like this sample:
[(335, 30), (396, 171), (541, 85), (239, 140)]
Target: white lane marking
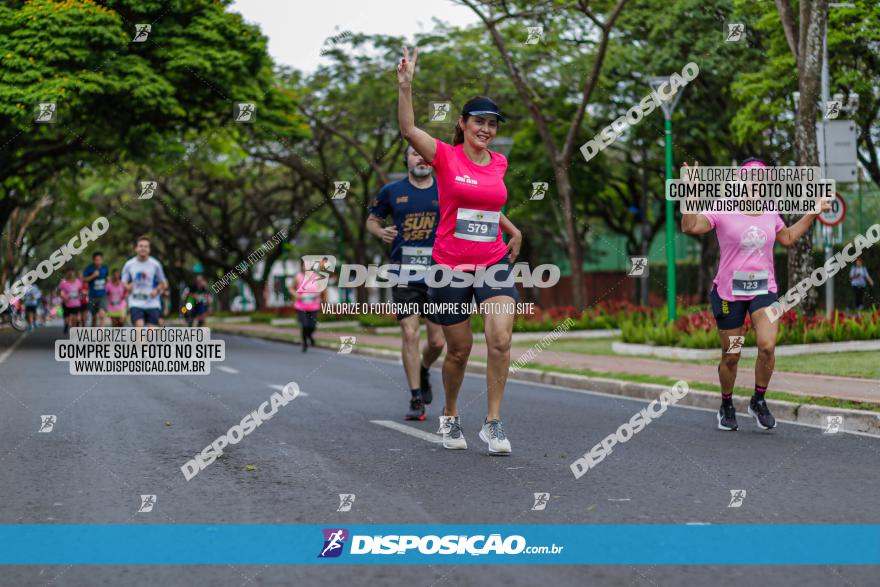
[(8, 351), (228, 369), (409, 430), (281, 388), (624, 499)]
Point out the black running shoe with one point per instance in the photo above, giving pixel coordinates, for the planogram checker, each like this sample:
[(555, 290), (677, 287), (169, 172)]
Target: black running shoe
[(727, 418), (425, 383), (416, 409), (758, 409)]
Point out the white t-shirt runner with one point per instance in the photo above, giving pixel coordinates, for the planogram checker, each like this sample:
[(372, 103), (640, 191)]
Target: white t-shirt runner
[(145, 275)]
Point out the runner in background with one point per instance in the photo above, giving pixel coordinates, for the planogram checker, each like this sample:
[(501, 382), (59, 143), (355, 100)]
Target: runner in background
[(415, 208), (470, 182), (145, 281), (95, 275), (31, 298), (746, 283), (69, 289), (116, 295), (83, 303), (47, 309), (198, 314), (307, 296), (859, 280)]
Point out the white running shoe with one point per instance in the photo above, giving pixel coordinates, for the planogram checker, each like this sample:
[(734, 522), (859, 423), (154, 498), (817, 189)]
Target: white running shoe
[(453, 437), (492, 433)]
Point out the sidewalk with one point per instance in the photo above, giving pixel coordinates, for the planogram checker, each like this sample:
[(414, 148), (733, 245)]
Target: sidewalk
[(842, 388)]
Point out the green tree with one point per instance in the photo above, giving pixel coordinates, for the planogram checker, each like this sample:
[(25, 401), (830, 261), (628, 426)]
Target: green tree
[(115, 99)]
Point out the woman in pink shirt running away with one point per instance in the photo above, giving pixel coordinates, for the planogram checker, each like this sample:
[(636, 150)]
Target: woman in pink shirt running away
[(746, 282), (468, 244), (116, 296), (307, 294), (69, 288)]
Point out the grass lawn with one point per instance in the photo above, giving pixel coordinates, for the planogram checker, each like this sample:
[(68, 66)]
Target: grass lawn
[(585, 346), (855, 364), (850, 364)]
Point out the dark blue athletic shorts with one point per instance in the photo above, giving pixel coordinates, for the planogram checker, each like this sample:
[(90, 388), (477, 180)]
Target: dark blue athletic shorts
[(457, 299), (732, 315), (150, 316)]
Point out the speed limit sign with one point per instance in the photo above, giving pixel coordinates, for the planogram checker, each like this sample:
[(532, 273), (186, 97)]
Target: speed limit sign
[(836, 214)]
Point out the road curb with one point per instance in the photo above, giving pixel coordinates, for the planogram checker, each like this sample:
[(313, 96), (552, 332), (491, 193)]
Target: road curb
[(860, 421)]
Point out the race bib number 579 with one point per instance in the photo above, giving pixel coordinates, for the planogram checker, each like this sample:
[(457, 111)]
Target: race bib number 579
[(477, 225)]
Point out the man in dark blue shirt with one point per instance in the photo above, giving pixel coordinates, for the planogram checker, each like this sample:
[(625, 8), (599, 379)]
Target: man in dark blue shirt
[(96, 276), (415, 209)]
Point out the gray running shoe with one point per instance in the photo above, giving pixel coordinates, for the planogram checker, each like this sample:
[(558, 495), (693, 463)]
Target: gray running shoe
[(492, 433), (761, 413), (727, 418), (453, 437)]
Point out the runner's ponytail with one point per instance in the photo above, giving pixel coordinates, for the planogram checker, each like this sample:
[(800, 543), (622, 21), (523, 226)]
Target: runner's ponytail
[(458, 134)]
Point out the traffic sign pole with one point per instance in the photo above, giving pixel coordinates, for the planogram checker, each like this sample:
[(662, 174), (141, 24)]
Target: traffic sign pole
[(670, 230), (829, 284), (829, 220)]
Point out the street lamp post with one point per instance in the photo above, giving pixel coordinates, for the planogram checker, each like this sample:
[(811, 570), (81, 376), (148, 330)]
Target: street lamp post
[(668, 107)]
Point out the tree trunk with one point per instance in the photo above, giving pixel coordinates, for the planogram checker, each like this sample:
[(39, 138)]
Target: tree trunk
[(573, 242), (800, 256), (224, 299), (258, 289), (805, 42), (363, 295), (7, 205)]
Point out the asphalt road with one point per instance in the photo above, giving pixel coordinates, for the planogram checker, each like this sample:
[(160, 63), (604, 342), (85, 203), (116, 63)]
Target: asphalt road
[(117, 437)]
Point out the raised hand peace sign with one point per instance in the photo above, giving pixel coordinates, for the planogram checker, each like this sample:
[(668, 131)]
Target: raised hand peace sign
[(406, 69)]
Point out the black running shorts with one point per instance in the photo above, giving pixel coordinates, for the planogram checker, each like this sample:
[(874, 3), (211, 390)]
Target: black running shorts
[(413, 295), (732, 315), (458, 298)]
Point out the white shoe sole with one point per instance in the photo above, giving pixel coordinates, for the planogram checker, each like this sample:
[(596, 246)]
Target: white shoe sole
[(725, 428), (455, 444), (758, 422), (485, 439)]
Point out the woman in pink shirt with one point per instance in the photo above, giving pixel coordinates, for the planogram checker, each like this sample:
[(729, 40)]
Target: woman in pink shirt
[(468, 243), (746, 283), (116, 296), (69, 288), (307, 293)]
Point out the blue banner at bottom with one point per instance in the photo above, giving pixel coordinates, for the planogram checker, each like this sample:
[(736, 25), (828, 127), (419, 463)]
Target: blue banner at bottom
[(620, 544)]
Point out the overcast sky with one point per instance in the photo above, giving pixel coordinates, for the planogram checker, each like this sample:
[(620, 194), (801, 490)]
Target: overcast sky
[(297, 29)]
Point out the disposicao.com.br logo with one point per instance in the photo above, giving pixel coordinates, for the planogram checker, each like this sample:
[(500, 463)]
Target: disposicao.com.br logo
[(431, 544)]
